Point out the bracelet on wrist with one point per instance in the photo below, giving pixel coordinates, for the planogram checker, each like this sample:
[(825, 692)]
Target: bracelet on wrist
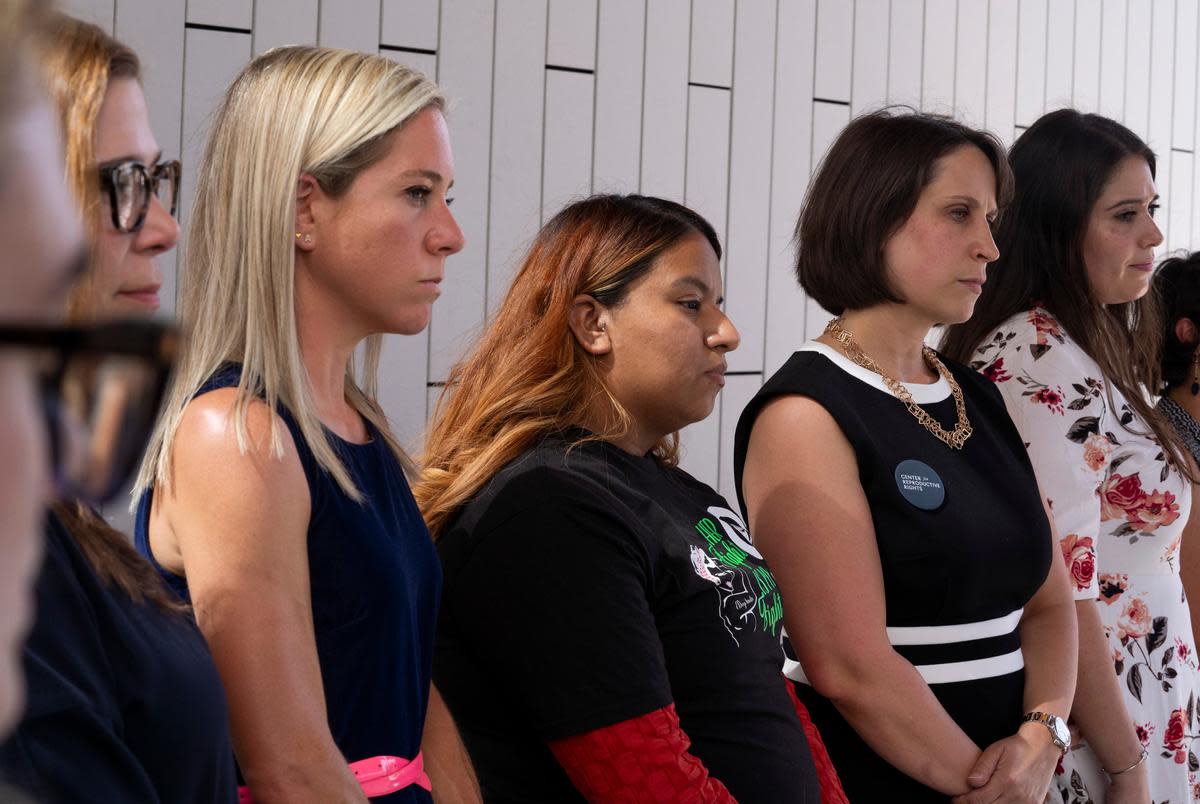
[(1140, 760)]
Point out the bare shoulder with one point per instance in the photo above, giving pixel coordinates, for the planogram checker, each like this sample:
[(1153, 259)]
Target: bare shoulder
[(792, 428), (207, 438), (213, 475)]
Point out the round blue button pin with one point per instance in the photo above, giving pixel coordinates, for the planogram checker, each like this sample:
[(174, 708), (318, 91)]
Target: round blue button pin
[(920, 485)]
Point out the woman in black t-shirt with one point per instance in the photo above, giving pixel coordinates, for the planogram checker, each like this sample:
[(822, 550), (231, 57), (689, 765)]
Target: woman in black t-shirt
[(608, 630), (893, 496)]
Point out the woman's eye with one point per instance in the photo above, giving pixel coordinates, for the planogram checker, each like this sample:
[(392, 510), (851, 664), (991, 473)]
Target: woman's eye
[(1128, 215), (691, 304), (1153, 209), (959, 214), (419, 193), (449, 201)]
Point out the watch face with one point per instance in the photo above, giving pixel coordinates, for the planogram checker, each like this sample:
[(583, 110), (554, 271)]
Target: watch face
[(1060, 730)]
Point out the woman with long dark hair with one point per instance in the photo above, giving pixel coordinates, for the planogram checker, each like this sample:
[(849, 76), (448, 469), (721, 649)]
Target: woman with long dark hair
[(1066, 330), (627, 629), (1177, 283)]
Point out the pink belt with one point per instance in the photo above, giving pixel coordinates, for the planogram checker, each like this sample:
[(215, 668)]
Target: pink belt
[(377, 775)]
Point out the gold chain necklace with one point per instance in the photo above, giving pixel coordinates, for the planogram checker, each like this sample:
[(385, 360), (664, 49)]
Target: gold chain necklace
[(962, 430)]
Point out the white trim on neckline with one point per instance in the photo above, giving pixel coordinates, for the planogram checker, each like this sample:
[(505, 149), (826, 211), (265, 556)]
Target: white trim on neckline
[(922, 393)]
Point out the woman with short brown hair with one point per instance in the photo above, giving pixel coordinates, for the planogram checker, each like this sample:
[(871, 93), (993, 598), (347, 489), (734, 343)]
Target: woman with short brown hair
[(933, 643)]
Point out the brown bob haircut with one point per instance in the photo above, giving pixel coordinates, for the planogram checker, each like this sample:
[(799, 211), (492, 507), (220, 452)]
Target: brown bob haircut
[(865, 189)]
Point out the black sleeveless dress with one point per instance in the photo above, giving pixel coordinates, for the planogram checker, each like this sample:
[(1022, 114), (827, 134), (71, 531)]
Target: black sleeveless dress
[(376, 582), (963, 541)]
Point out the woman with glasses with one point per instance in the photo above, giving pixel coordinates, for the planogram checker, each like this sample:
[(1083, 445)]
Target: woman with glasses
[(115, 664), (125, 190), (274, 492), (41, 239)]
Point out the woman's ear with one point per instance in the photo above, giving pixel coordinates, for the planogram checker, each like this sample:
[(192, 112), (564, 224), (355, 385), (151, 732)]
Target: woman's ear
[(1185, 331), (588, 320), (307, 191)]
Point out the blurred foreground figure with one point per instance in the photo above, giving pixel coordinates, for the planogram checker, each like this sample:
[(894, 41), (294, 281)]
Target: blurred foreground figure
[(38, 267), (115, 664)]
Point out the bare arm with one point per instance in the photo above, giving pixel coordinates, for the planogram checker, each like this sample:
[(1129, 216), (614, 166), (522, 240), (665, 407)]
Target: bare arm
[(240, 525), (1019, 768), (1099, 709), (801, 469), (1189, 560), (1049, 640), (446, 759)]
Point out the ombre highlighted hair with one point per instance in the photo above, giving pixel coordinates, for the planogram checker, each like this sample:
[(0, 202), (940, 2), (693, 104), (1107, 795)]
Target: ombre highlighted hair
[(292, 110), (528, 377)]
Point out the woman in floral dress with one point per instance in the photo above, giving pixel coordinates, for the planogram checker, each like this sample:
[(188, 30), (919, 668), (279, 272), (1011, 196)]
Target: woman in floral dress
[(1067, 332)]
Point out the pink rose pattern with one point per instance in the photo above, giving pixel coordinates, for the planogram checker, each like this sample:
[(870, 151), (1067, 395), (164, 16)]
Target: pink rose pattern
[(1173, 739), (1138, 499), (1081, 559), (1096, 450), (1123, 497), (1046, 326)]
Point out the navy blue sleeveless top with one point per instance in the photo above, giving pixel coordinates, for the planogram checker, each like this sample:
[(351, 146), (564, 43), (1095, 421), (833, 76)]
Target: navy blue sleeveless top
[(376, 582)]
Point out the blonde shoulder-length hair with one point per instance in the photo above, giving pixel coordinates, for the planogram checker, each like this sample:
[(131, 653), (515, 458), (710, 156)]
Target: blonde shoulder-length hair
[(292, 110)]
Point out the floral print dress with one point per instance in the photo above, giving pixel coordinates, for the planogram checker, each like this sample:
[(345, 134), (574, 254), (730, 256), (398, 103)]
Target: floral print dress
[(1120, 510)]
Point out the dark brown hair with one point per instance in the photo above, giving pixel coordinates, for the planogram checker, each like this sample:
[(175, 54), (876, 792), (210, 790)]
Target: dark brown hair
[(112, 557), (1061, 165), (1177, 283), (527, 377), (866, 188)]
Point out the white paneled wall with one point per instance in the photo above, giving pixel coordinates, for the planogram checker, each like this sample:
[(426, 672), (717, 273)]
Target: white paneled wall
[(727, 105)]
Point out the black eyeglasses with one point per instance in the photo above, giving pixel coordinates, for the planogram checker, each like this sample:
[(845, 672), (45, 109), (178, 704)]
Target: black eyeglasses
[(129, 186), (101, 387)]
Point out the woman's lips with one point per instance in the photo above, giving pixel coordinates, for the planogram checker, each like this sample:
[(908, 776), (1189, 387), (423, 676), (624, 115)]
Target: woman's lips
[(146, 296)]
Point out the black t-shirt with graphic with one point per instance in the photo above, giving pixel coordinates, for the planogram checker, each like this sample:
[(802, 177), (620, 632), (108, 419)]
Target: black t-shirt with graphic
[(585, 586)]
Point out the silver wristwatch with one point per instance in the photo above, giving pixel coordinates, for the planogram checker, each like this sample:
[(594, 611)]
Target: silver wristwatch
[(1059, 733)]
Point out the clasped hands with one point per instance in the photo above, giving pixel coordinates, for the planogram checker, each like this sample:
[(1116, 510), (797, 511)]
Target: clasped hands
[(1015, 770)]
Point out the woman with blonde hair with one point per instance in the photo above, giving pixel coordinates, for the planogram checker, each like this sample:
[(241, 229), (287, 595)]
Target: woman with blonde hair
[(273, 494), (114, 661), (617, 601)]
